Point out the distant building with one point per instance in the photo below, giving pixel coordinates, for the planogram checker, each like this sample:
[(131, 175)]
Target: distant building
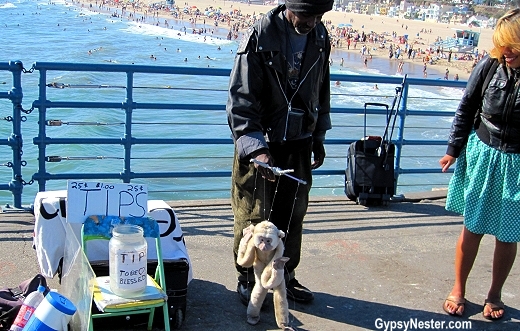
[(353, 6), (458, 19), (432, 13), (481, 21)]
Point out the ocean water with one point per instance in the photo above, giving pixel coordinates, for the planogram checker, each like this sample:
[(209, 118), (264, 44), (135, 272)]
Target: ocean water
[(58, 31)]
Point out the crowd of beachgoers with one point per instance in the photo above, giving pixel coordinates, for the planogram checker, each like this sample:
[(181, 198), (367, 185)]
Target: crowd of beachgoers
[(370, 38)]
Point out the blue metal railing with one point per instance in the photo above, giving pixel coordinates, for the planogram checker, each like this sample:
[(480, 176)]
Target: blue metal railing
[(196, 145), (14, 141)]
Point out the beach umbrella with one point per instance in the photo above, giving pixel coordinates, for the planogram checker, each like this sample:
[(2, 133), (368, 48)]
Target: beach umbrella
[(344, 25)]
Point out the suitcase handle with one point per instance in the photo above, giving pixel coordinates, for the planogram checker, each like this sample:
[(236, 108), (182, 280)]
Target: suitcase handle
[(373, 104), (376, 104), (387, 136)]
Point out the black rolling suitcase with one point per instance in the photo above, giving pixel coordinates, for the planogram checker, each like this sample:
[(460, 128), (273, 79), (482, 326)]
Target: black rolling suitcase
[(176, 274), (369, 174)]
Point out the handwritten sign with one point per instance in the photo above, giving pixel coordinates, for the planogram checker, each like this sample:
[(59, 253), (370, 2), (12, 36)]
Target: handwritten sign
[(100, 198), (129, 269)]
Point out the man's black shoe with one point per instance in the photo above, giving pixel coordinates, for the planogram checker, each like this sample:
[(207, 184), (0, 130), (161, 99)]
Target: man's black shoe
[(298, 292)]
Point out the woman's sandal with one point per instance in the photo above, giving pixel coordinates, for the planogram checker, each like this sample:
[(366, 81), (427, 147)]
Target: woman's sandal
[(458, 301), (495, 306)]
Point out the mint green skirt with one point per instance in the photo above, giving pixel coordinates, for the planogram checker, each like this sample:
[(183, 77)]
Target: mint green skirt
[(485, 188)]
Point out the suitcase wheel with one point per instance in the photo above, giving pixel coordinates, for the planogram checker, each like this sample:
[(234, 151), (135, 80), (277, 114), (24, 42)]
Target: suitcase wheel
[(177, 319), (362, 202)]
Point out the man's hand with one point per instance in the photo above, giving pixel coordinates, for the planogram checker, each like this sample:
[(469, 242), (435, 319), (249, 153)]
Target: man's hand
[(318, 150), (264, 172)]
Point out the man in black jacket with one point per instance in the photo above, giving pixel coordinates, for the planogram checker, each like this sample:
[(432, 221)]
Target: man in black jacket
[(278, 111)]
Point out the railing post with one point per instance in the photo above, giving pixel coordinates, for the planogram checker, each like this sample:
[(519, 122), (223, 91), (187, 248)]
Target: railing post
[(127, 140), (15, 140), (400, 133), (42, 134)]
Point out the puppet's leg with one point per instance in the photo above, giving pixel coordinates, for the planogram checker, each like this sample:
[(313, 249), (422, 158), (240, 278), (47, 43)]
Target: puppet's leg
[(255, 304), (281, 306)]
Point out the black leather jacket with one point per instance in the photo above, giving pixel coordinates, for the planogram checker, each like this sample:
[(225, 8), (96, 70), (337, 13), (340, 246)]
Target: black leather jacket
[(499, 123), (257, 105)]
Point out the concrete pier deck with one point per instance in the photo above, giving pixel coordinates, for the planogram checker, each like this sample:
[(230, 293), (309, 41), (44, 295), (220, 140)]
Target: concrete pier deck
[(366, 265)]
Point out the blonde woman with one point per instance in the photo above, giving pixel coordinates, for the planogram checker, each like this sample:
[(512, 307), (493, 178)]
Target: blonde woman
[(485, 188)]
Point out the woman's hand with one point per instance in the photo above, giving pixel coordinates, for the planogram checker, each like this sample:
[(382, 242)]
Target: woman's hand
[(446, 162)]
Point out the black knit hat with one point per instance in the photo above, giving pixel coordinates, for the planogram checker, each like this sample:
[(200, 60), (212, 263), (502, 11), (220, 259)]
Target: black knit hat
[(309, 6)]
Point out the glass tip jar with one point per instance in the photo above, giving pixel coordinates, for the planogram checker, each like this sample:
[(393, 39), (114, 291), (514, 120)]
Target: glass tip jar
[(128, 260)]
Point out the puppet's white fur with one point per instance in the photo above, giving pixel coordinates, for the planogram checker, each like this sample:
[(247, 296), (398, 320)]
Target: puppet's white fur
[(268, 266)]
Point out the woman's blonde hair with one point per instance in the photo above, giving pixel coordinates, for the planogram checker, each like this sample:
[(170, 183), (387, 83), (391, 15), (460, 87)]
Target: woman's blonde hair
[(507, 34)]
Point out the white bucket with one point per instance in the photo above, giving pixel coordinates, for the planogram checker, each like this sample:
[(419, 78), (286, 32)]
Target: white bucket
[(52, 314)]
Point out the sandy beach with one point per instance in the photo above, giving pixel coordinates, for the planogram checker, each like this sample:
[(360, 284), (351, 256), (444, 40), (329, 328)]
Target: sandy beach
[(240, 15)]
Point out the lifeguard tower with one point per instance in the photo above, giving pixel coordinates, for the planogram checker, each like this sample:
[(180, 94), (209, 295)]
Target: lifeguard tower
[(461, 41)]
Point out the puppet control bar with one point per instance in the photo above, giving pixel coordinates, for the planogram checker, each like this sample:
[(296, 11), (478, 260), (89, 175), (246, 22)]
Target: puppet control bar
[(279, 172)]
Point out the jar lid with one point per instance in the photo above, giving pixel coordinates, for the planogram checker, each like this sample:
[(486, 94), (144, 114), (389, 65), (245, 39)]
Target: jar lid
[(127, 229)]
